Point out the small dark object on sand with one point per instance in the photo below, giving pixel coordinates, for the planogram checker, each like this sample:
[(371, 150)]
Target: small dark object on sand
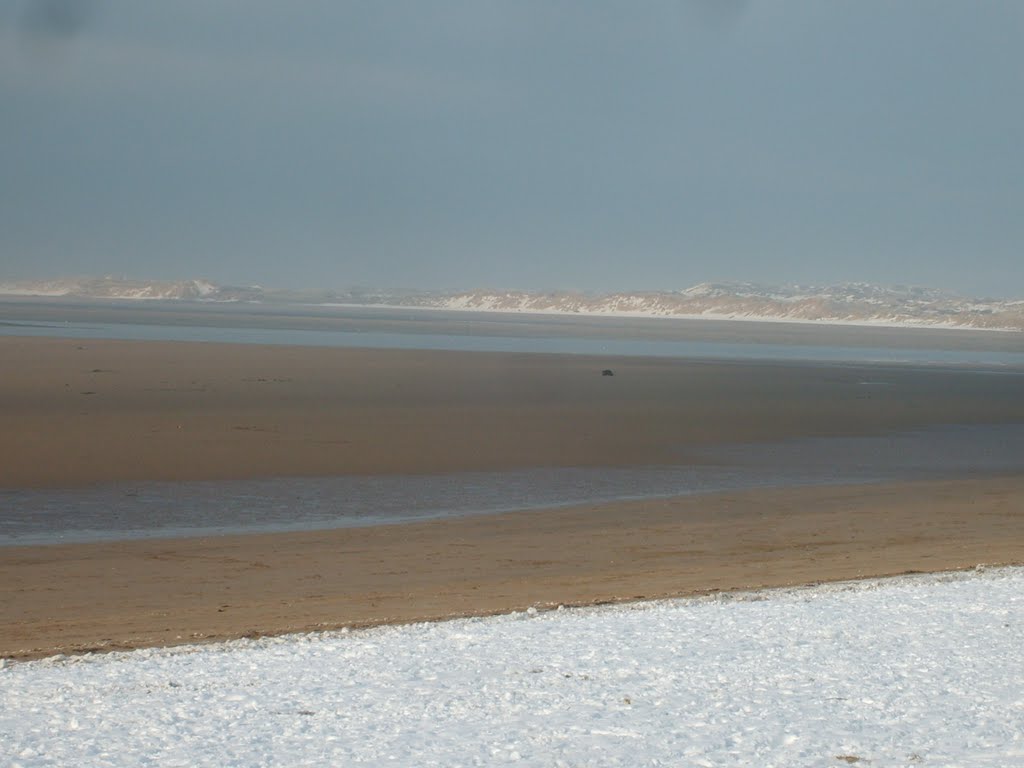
[(607, 372)]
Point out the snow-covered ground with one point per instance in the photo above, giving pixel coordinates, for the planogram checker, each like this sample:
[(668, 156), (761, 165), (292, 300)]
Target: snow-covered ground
[(922, 670)]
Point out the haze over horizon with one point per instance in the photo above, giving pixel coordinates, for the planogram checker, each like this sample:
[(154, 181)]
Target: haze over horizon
[(594, 147)]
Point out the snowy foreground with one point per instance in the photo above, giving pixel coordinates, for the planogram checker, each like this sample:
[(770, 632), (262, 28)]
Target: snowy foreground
[(923, 670)]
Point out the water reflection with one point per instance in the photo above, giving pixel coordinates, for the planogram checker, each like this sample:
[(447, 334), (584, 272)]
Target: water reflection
[(141, 510), (508, 342)]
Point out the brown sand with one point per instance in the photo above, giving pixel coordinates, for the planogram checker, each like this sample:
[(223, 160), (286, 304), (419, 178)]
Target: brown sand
[(81, 412), (74, 598)]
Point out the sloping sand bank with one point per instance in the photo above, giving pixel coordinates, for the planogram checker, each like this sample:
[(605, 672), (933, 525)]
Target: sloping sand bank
[(74, 598)]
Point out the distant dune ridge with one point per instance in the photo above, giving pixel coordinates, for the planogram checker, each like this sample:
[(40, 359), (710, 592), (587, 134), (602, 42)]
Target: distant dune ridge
[(848, 303), (123, 288)]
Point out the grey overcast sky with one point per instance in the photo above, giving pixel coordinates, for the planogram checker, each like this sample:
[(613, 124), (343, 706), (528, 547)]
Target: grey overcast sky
[(580, 145)]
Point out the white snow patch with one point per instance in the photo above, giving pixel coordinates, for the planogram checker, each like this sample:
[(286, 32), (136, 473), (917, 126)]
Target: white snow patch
[(925, 670)]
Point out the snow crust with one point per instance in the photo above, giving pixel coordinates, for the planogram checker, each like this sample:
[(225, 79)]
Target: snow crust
[(923, 670)]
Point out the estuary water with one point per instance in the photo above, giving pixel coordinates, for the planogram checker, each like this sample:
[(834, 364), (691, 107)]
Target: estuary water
[(146, 510), (401, 328), (614, 347)]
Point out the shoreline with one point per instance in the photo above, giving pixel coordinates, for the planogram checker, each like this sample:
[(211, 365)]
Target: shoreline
[(81, 598), (67, 299), (721, 317)]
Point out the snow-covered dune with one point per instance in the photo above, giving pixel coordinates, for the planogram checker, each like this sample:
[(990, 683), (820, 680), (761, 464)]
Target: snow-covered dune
[(846, 304), (922, 670), (125, 289), (843, 304)]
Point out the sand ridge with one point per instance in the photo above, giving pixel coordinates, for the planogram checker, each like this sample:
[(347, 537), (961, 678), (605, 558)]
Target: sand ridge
[(104, 596)]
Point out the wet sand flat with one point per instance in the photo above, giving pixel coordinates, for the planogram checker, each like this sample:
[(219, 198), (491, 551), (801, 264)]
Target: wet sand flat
[(81, 412), (102, 596), (78, 413)]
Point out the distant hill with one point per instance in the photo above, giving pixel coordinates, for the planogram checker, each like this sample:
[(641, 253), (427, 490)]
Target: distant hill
[(853, 303), (848, 303), (120, 288)]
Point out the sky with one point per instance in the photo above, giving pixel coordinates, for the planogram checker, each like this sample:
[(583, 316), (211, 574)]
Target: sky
[(595, 146)]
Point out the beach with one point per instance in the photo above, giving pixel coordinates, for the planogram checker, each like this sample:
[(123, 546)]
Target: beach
[(127, 594), (84, 412), (79, 413), (903, 671)]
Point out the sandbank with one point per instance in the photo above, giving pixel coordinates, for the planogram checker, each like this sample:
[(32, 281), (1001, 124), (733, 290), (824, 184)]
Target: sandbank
[(81, 412), (128, 594)]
